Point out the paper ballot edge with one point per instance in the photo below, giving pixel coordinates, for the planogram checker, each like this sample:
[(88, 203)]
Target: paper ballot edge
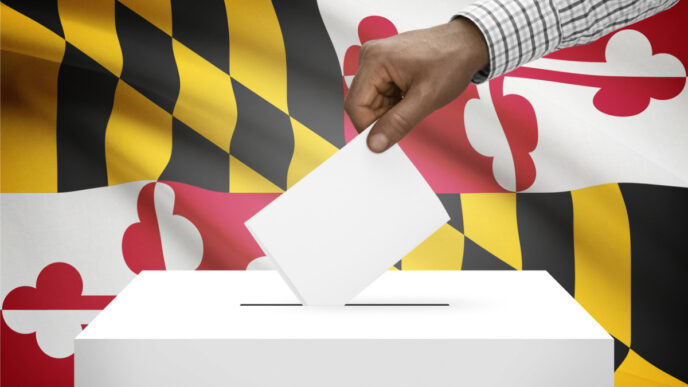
[(443, 219), (281, 271), (248, 223)]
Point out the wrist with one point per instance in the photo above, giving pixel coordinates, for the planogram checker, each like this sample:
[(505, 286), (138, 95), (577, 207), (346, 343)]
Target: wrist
[(472, 50)]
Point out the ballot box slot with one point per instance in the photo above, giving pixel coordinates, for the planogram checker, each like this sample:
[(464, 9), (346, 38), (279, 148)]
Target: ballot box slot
[(348, 304)]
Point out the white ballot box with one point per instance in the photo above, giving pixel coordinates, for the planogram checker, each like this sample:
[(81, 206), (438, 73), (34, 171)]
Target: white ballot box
[(452, 328)]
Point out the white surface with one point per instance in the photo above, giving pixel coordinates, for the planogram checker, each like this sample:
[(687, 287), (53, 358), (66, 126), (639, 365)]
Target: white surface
[(500, 328), (482, 305), (347, 222)]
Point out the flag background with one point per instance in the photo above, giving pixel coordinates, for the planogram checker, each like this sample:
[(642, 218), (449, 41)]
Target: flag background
[(140, 135)]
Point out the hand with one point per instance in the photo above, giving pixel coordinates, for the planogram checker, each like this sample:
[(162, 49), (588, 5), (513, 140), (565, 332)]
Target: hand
[(403, 78)]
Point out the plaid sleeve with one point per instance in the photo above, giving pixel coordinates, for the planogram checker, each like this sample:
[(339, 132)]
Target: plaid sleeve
[(519, 31)]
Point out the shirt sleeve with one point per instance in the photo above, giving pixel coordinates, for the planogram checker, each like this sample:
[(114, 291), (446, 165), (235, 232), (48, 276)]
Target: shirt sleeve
[(519, 31)]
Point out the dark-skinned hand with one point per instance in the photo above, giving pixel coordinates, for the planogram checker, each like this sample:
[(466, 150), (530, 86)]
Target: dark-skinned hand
[(403, 78)]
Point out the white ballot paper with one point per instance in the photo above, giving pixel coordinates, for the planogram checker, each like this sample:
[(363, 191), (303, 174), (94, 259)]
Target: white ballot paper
[(347, 222)]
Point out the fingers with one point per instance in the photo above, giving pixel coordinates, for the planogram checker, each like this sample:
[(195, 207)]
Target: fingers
[(359, 100), (372, 91), (397, 121), (375, 96)]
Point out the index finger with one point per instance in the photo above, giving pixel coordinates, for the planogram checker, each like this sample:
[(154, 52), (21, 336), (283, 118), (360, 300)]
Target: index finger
[(359, 102)]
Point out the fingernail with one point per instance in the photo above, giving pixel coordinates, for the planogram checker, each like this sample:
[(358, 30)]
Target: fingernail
[(378, 142)]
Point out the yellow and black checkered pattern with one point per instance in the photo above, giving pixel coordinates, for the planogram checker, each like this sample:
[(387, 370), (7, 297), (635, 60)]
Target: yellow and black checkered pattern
[(246, 96), (616, 248), (118, 91)]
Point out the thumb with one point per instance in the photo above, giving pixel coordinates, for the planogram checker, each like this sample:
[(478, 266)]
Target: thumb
[(398, 121)]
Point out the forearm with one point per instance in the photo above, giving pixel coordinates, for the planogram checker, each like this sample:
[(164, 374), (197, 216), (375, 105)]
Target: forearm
[(519, 31)]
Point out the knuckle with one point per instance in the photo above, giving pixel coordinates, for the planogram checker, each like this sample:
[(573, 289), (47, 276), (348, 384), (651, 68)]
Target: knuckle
[(348, 104), (398, 125), (427, 97), (426, 93), (364, 52), (370, 49)]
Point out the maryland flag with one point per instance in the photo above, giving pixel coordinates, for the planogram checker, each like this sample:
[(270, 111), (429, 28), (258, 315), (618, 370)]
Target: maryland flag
[(141, 134)]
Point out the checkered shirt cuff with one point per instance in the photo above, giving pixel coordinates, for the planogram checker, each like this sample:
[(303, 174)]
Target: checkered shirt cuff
[(516, 32)]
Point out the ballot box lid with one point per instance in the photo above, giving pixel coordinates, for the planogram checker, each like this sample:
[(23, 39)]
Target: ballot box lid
[(399, 305)]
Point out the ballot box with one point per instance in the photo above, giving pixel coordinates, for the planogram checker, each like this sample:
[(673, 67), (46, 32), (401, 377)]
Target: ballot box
[(246, 328)]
